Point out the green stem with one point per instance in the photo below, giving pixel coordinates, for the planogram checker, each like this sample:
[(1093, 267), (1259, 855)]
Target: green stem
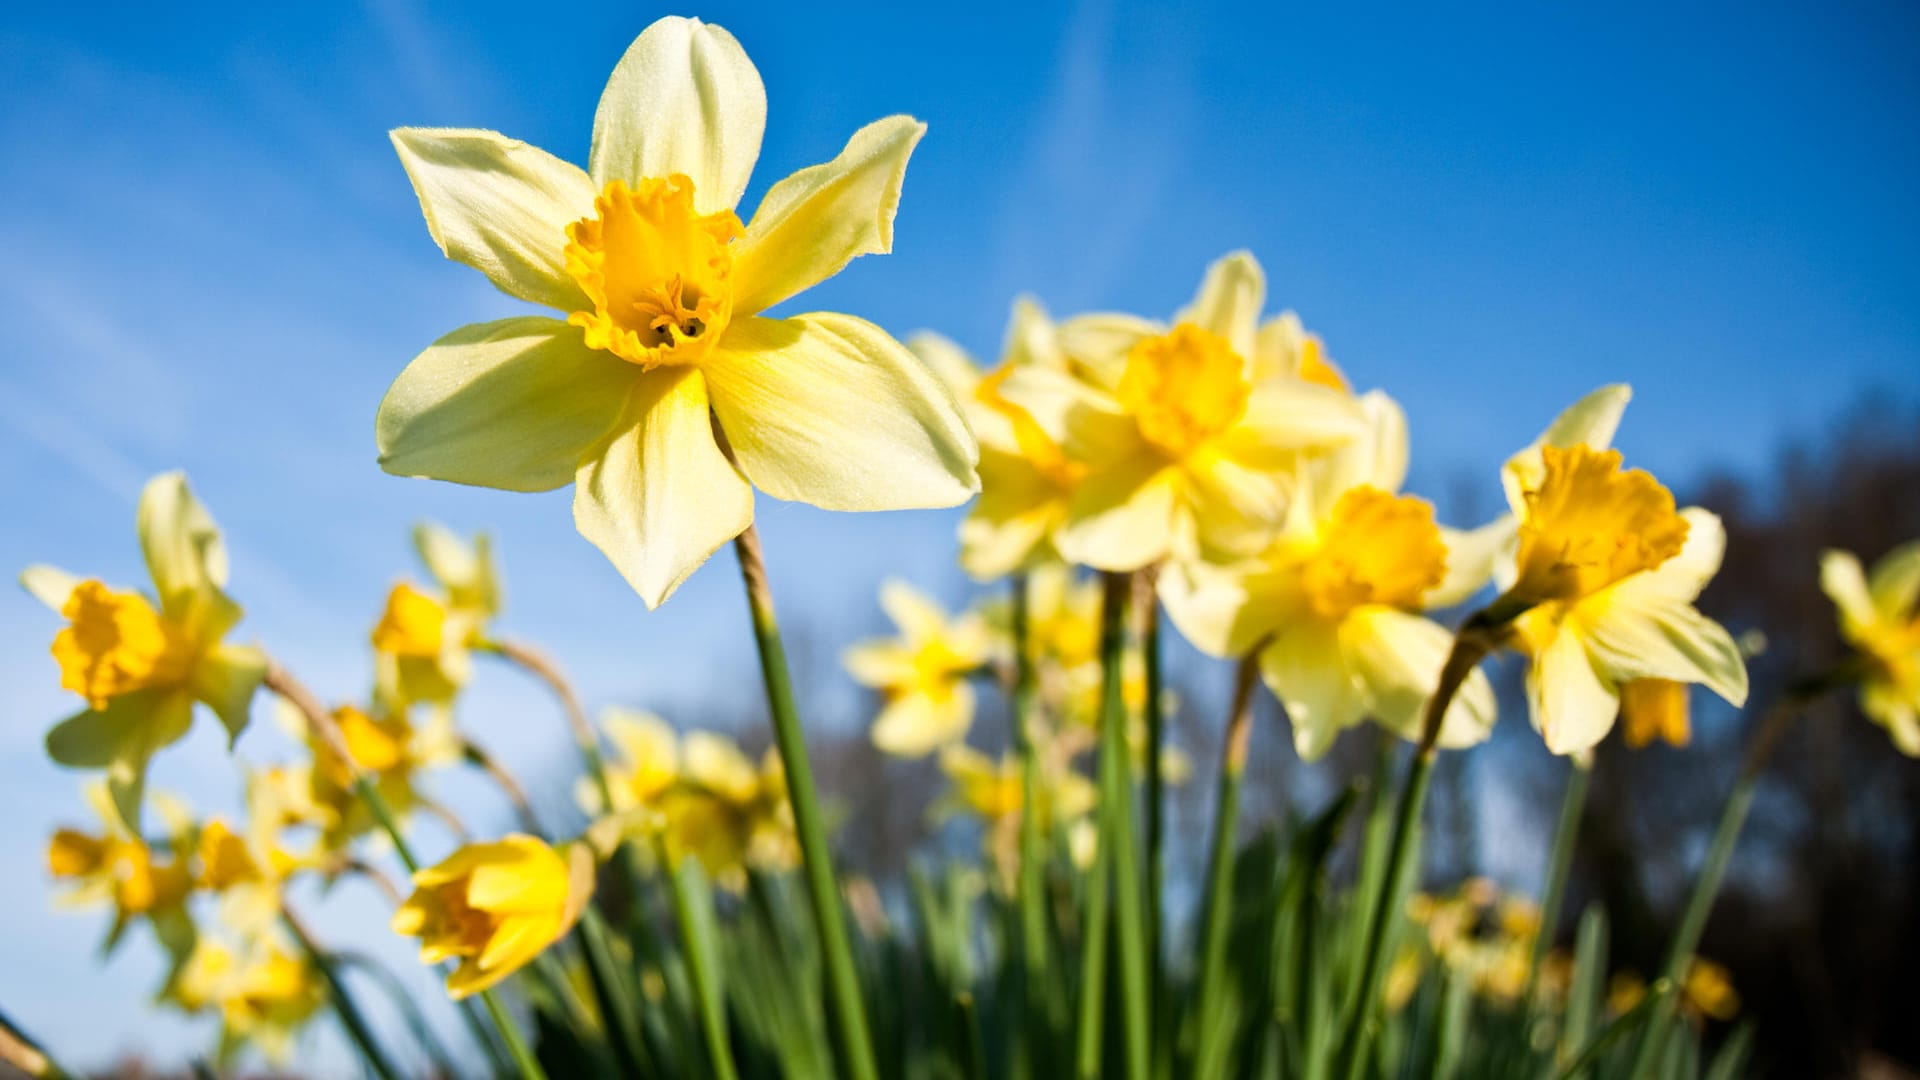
[(1693, 922), (1093, 970), (1032, 884), (1566, 835), (523, 1058), (28, 1056), (344, 1005), (1147, 597), (693, 909), (613, 991), (843, 982), (1117, 833), (402, 1001), (1210, 1059), (1471, 644)]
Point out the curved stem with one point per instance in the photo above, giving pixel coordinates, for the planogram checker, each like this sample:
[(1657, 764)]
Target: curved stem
[(1210, 1058), (843, 981), (542, 667), (344, 1005), (477, 756)]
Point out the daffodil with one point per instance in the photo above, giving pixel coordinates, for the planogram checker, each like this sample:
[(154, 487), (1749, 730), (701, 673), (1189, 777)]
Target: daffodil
[(661, 391), (694, 795), (1184, 450), (923, 673), (995, 793), (493, 907), (1605, 573), (117, 868), (142, 661), (1706, 992), (423, 641), (265, 994), (1283, 348), (1481, 935), (386, 746), (1026, 478), (1880, 618), (1333, 605), (249, 868)]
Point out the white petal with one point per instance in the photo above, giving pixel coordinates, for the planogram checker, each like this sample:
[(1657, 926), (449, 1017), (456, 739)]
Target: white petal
[(661, 497), (1305, 669), (1228, 303), (500, 206), (683, 99), (815, 222), (1572, 709), (827, 409), (515, 404)]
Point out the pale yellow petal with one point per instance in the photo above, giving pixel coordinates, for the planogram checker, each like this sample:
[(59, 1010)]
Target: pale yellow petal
[(1687, 573), (1229, 300), (1398, 657), (1895, 582), (1221, 611), (1285, 416), (1473, 556), (919, 618), (879, 663), (1590, 422), (516, 404), (1098, 343), (225, 679), (1085, 421), (829, 410), (815, 222), (1845, 583), (915, 725), (1305, 669), (1032, 337), (683, 99), (661, 497), (1571, 707), (947, 360), (1122, 517), (1642, 634), (717, 764), (1236, 510), (1010, 524), (184, 551), (1376, 458), (49, 584), (500, 206)]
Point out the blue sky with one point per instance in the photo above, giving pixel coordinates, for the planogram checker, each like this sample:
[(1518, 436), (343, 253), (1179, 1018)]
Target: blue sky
[(210, 260)]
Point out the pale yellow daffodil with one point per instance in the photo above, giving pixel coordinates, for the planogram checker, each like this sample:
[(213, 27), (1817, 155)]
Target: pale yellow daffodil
[(264, 992), (494, 906), (923, 674), (117, 868), (662, 393), (1333, 605), (141, 665), (1880, 617), (1184, 450), (1026, 478), (994, 791), (423, 642), (1604, 572)]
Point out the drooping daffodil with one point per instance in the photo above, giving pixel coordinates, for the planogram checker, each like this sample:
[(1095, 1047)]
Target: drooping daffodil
[(923, 674), (117, 868), (662, 392), (141, 661), (1184, 450), (1027, 480), (1334, 605), (1880, 618), (492, 907)]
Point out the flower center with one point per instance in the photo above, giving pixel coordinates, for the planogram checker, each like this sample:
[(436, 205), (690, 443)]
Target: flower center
[(1375, 549), (413, 624), (1183, 388), (657, 272), (116, 643), (1590, 523)]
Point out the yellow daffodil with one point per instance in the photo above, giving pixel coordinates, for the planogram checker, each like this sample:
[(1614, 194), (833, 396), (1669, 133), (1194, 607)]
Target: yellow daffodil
[(1880, 618), (1606, 570), (117, 868), (1184, 451), (1333, 605), (995, 793), (1283, 348), (1026, 478), (142, 664), (697, 795), (662, 392), (386, 746), (1479, 934), (495, 906), (264, 997), (423, 641), (923, 673), (1706, 992)]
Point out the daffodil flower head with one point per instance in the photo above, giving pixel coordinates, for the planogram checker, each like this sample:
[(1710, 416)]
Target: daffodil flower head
[(492, 907), (1375, 549), (464, 570), (1602, 584), (264, 993), (140, 661), (662, 392), (422, 649), (922, 673), (117, 868), (1880, 619), (1184, 451)]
